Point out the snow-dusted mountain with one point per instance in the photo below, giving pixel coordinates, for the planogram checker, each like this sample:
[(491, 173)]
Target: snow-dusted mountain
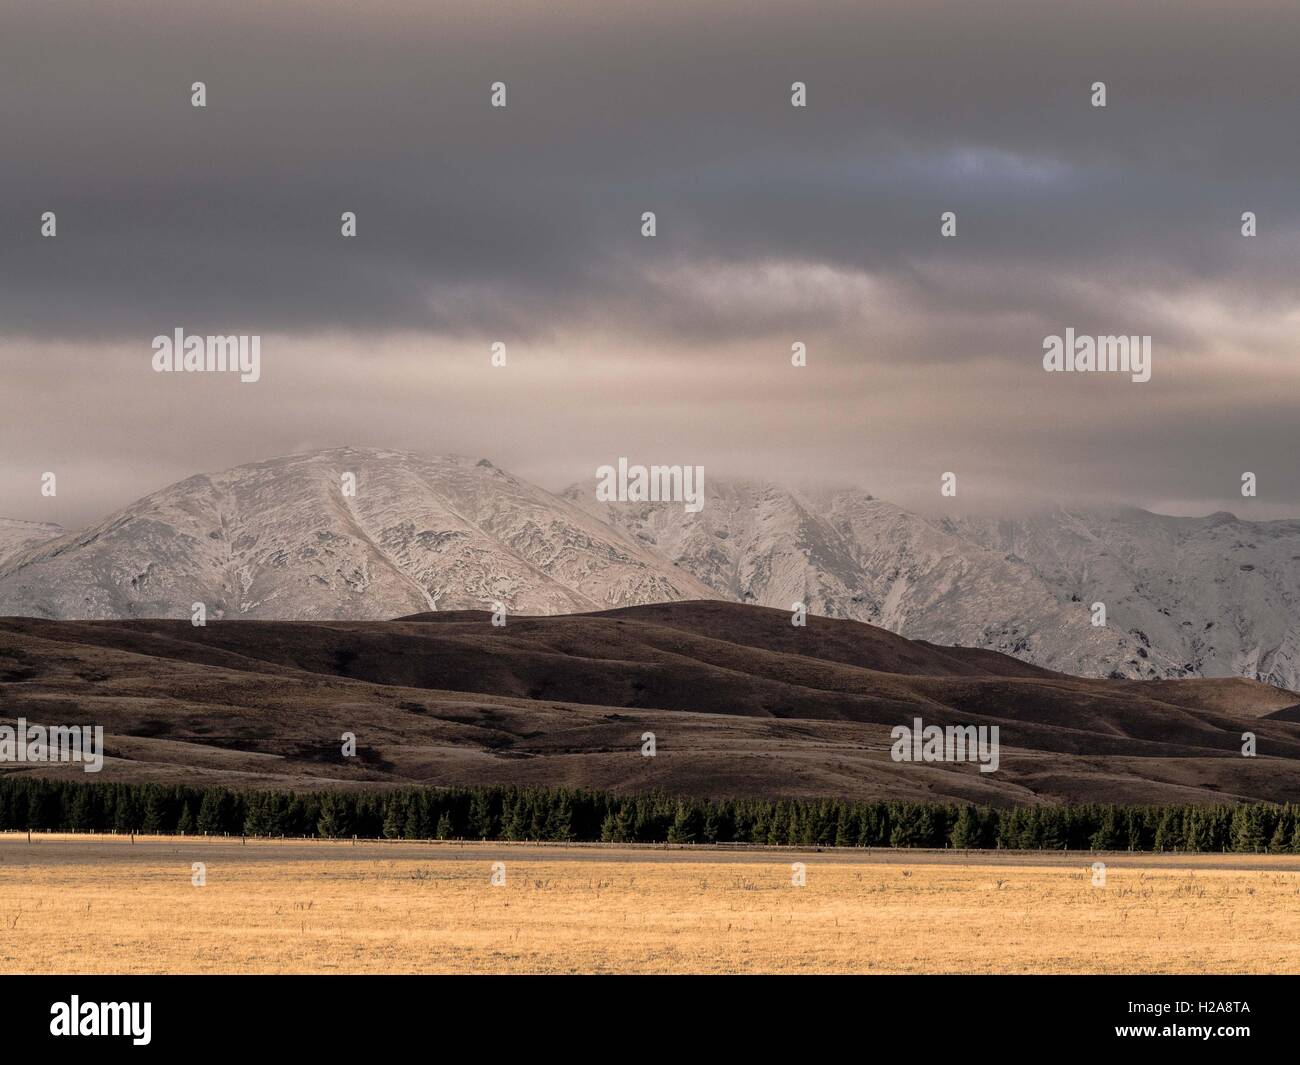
[(846, 554), (282, 539), (1219, 595), (1209, 596), (17, 536), (1212, 596)]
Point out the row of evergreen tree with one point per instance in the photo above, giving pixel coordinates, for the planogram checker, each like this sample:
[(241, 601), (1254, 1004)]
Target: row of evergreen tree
[(566, 814)]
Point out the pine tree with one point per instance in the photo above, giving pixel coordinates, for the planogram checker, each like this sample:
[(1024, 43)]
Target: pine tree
[(1247, 830), (395, 816), (559, 826), (514, 826), (685, 825), (913, 826), (966, 829), (209, 819), (82, 813), (256, 822), (1107, 837), (712, 823), (846, 832), (482, 825), (155, 812), (1170, 835), (124, 814), (1051, 829), (419, 816), (624, 824), (331, 823)]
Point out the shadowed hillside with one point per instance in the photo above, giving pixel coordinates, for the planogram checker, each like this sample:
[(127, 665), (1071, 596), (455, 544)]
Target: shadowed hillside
[(741, 702)]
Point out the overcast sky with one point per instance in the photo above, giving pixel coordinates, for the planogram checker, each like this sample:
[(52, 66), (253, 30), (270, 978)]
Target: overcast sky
[(775, 224)]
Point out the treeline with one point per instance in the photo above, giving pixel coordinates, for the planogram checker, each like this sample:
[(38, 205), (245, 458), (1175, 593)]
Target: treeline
[(566, 814)]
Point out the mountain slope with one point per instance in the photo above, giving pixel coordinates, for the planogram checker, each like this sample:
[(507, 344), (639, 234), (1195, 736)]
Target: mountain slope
[(1217, 594), (846, 554), (740, 701), (283, 539), (18, 536)]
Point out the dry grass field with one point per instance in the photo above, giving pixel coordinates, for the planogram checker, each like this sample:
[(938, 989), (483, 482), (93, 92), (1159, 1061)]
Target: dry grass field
[(107, 905)]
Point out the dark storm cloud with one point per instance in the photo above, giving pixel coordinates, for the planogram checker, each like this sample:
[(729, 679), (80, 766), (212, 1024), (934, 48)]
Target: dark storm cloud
[(473, 219), (774, 223)]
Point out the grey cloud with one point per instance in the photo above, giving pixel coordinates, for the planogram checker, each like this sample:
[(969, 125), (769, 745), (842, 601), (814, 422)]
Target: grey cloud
[(774, 223), (231, 213)]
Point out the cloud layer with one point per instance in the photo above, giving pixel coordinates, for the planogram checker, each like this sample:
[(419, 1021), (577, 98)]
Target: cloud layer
[(775, 224)]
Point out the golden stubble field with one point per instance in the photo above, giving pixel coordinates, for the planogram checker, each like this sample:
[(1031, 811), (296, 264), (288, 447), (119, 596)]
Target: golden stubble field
[(107, 905)]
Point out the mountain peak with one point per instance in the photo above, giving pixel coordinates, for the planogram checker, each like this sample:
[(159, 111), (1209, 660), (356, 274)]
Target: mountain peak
[(347, 532)]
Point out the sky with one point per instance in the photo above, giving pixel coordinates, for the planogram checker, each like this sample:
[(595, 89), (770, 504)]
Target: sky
[(774, 225)]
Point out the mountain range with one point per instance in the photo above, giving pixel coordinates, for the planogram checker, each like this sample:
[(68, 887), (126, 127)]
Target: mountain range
[(288, 539)]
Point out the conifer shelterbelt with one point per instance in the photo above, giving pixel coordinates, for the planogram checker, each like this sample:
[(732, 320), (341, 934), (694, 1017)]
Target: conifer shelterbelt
[(560, 815)]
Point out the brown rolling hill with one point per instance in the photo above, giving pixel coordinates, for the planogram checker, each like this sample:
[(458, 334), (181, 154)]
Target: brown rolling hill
[(741, 703)]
